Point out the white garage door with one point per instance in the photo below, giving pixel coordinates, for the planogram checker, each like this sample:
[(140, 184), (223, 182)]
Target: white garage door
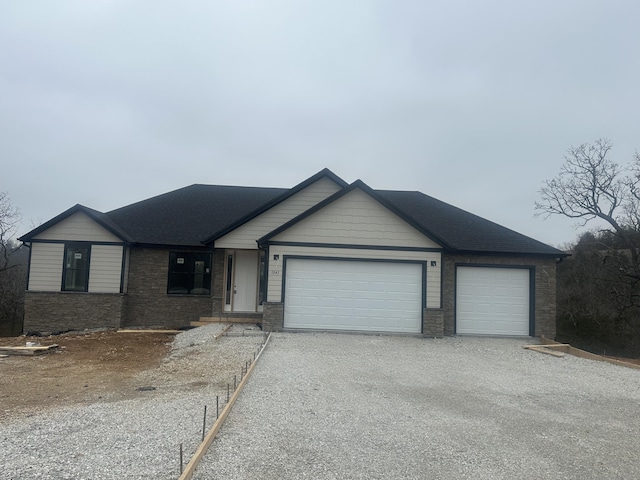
[(353, 295), (492, 301)]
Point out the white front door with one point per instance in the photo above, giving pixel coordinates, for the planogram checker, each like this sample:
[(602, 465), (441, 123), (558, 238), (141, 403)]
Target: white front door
[(245, 284)]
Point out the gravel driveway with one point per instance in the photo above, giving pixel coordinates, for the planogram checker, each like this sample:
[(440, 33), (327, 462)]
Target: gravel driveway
[(359, 406), (135, 438)]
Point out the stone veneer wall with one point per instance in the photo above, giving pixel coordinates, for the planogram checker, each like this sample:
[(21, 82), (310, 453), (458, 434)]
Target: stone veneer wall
[(48, 312), (545, 288), (147, 303)]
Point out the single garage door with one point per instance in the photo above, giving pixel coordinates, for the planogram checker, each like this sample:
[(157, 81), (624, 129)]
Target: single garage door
[(353, 295), (492, 301)]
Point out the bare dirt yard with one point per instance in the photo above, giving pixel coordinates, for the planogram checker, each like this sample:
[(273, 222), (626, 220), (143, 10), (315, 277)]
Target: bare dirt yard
[(85, 368)]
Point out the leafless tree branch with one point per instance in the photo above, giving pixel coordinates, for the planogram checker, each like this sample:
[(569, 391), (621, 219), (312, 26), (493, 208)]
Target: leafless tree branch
[(9, 218), (591, 186)]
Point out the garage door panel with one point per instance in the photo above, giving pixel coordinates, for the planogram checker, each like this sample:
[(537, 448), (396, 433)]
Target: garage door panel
[(492, 301), (354, 295)]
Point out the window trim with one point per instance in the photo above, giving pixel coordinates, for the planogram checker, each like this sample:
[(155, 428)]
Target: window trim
[(68, 245)]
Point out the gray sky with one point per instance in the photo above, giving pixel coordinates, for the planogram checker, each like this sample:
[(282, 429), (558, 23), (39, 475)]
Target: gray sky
[(107, 102)]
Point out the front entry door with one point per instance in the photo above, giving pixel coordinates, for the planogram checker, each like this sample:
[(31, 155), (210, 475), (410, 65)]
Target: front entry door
[(245, 287)]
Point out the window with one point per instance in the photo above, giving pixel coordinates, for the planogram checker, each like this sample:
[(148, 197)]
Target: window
[(262, 285), (227, 298), (75, 272), (189, 273)]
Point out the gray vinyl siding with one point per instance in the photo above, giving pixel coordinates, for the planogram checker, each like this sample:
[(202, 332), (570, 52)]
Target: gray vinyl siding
[(245, 236), (45, 272), (77, 228), (105, 269), (275, 269), (355, 219)]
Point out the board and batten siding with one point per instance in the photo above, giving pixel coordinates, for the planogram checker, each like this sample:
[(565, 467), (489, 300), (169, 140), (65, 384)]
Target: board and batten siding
[(79, 227), (45, 274), (355, 219), (275, 269), (105, 268), (245, 236)]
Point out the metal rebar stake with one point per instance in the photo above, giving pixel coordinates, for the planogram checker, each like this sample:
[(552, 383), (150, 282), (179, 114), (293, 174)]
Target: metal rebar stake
[(204, 422)]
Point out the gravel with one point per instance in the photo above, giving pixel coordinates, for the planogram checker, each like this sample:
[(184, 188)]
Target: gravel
[(327, 406), (330, 406), (135, 438)]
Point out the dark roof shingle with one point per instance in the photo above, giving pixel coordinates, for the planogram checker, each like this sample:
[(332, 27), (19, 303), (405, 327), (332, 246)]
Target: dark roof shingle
[(197, 214), (191, 214), (463, 231)]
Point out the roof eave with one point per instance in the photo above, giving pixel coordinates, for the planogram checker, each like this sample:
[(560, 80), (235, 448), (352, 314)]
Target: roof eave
[(510, 253), (77, 208)]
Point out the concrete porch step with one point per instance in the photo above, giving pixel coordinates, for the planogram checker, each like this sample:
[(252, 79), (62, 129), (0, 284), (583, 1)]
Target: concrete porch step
[(247, 318)]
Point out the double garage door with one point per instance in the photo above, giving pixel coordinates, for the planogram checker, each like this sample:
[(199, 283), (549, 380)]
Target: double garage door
[(493, 301), (328, 294)]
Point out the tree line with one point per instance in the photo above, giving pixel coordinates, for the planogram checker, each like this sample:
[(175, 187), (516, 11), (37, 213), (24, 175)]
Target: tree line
[(13, 270)]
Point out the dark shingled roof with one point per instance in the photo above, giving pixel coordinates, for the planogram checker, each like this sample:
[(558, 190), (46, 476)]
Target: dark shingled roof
[(189, 215), (461, 231), (198, 214)]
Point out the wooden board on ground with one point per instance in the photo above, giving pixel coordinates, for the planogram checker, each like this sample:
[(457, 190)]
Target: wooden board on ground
[(544, 349), (545, 342), (133, 330), (39, 350)]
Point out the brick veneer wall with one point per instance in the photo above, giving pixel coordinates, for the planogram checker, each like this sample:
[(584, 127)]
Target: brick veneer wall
[(273, 316), (48, 312), (433, 322), (217, 282), (545, 288), (147, 303)]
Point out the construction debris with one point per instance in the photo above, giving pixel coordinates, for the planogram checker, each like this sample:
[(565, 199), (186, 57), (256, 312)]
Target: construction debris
[(28, 350), (550, 347)]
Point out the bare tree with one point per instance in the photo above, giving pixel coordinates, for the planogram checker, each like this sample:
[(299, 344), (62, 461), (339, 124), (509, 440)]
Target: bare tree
[(599, 287), (592, 186), (9, 218)]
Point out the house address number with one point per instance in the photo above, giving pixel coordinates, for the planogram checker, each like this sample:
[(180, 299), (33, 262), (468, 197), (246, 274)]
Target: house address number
[(274, 272)]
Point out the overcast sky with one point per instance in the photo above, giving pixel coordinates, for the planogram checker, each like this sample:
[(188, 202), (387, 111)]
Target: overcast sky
[(107, 102)]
